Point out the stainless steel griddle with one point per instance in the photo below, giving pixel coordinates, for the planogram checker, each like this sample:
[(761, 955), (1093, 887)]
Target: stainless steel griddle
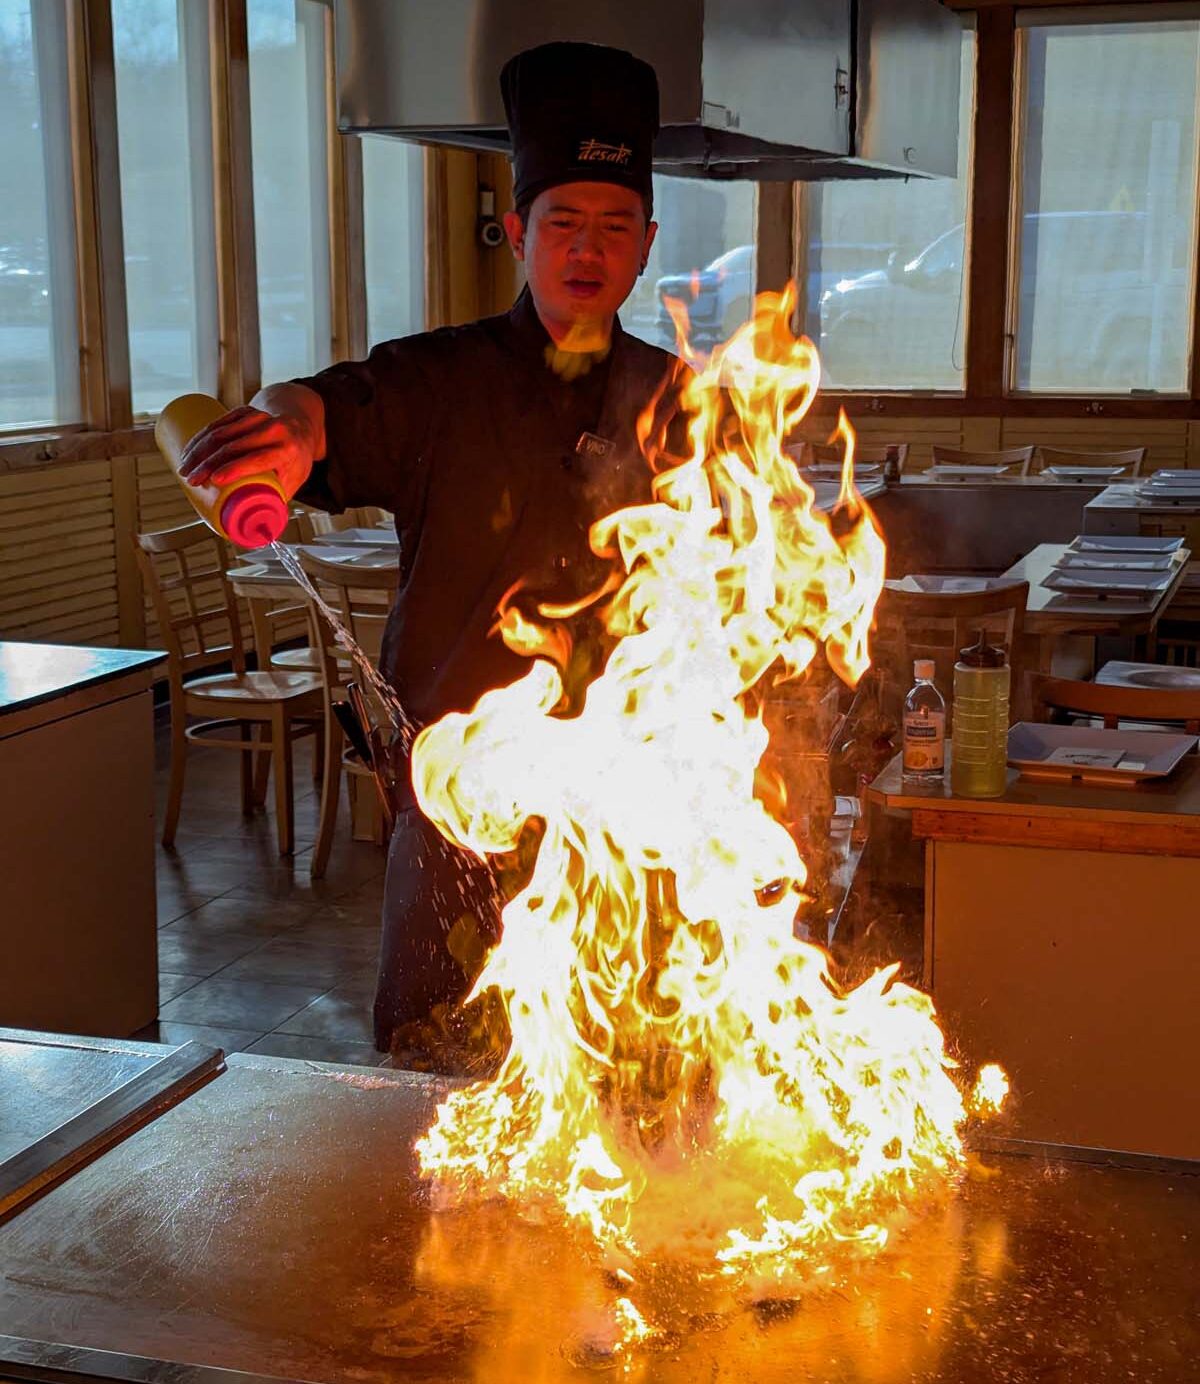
[(270, 1223)]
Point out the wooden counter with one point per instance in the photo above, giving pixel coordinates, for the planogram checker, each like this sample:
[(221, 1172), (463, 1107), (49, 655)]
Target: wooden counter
[(1060, 941), (77, 905)]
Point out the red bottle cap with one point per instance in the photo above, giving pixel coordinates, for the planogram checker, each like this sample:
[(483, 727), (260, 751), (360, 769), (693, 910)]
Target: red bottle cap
[(254, 515)]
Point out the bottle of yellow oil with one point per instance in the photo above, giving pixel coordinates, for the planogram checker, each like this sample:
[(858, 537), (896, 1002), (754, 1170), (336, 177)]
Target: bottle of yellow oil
[(979, 764), (250, 512)]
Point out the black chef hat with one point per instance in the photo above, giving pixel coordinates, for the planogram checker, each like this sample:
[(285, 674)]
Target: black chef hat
[(579, 112)]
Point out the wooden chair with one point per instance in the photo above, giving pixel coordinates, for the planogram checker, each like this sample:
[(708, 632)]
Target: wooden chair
[(1013, 456), (1061, 699), (827, 452), (200, 625), (1132, 459), (928, 624), (361, 598)]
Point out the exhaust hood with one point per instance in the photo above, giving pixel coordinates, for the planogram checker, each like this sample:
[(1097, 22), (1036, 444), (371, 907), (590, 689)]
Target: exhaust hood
[(752, 89)]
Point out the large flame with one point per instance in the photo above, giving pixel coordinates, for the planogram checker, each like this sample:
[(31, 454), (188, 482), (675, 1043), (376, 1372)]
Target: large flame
[(685, 1079)]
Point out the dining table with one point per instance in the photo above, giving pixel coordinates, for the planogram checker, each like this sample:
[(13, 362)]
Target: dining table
[(263, 582), (1126, 508), (1051, 615)]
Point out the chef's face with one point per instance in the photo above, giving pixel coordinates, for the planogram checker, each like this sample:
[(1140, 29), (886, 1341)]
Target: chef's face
[(583, 246)]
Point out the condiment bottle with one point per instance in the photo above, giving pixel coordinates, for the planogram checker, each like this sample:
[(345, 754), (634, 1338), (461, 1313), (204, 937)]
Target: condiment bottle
[(924, 729), (979, 764), (250, 512), (891, 465)]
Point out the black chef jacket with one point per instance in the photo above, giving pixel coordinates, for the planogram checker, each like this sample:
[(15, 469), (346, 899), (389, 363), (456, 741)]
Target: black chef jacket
[(472, 441)]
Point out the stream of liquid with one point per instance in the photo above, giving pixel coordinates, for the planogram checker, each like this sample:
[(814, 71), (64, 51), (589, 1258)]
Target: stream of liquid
[(385, 695)]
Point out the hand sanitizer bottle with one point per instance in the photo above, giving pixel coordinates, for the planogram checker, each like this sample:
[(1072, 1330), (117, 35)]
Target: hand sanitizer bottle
[(924, 729)]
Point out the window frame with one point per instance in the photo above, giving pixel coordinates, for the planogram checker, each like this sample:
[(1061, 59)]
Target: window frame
[(456, 288), (107, 423), (1090, 15)]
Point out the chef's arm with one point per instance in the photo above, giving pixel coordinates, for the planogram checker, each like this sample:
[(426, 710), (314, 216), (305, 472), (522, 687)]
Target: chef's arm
[(282, 430)]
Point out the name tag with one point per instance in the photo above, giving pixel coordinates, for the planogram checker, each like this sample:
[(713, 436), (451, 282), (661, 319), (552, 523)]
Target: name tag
[(596, 448)]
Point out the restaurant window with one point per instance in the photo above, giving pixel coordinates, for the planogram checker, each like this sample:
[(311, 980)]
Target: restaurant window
[(1107, 225), (39, 342), (291, 186), (704, 254), (393, 237), (164, 129), (886, 279)]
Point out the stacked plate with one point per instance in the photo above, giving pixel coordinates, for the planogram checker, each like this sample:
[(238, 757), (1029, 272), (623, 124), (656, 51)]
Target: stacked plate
[(1170, 487), (1119, 568)]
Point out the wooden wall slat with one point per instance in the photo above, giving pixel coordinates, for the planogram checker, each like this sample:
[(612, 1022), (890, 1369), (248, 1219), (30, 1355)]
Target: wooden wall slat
[(57, 551), (91, 593), (16, 579)]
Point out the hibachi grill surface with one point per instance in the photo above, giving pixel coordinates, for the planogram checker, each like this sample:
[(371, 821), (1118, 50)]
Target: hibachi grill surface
[(273, 1222)]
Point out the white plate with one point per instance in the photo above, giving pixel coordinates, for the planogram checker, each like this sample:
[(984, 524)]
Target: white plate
[(1117, 562), (832, 471), (919, 581), (1145, 754), (1108, 581), (949, 472), (1173, 478), (1162, 678), (1083, 473), (367, 538), (1168, 494), (350, 556), (1121, 543)]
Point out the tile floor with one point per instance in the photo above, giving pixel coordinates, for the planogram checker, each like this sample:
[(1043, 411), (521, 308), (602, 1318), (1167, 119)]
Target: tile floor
[(253, 955)]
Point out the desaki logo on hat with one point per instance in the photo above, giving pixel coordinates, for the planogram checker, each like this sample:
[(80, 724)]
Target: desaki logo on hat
[(596, 151)]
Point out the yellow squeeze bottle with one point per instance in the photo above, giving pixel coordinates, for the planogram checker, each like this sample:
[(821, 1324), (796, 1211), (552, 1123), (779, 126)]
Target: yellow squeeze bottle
[(979, 766), (250, 512)]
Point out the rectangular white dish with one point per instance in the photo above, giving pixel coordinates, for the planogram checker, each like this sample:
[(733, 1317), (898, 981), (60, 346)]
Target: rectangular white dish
[(949, 472), (832, 470), (1169, 477), (1099, 474), (1118, 562), (1143, 754), (366, 538), (1121, 543), (1168, 494), (1108, 581), (942, 585)]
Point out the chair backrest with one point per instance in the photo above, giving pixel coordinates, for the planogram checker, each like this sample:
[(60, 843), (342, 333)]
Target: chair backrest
[(1017, 457), (872, 455), (936, 625), (1132, 459), (361, 598), (1058, 699), (183, 570)]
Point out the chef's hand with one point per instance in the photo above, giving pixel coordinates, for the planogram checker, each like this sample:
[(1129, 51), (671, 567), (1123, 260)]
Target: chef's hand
[(283, 431)]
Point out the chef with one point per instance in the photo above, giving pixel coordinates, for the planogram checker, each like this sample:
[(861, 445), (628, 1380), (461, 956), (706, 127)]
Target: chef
[(495, 445)]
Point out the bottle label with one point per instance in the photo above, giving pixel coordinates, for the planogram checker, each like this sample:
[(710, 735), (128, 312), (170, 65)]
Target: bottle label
[(925, 740)]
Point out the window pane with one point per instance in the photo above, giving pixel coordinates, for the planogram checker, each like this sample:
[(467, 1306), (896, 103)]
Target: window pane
[(1108, 219), (39, 343), (291, 194), (394, 237), (704, 254), (165, 139), (887, 273)]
